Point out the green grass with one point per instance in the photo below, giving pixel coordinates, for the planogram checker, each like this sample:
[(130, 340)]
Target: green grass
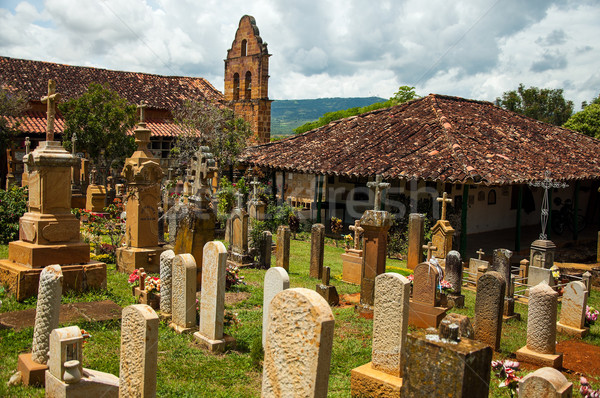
[(184, 370)]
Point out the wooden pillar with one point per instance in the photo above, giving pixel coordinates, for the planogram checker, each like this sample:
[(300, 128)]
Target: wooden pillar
[(463, 221), (549, 225), (320, 179), (576, 211), (518, 226)]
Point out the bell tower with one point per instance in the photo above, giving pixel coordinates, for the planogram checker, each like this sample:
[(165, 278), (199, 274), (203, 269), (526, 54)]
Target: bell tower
[(247, 79)]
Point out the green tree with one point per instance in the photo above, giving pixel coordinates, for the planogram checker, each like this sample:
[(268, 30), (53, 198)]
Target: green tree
[(588, 120), (546, 105), (100, 118), (404, 94), (11, 105)]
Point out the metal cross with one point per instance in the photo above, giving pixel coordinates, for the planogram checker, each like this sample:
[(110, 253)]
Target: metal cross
[(480, 253), (51, 99), (240, 198), (357, 231), (255, 185), (547, 183), (444, 199), (429, 247), (73, 140), (378, 185), (27, 145), (141, 107)]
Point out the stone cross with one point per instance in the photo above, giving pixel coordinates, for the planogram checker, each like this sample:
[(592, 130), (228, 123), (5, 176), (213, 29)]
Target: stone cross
[(378, 185), (357, 231), (141, 107), (48, 308), (240, 199), (27, 145), (73, 140), (480, 253), (546, 183), (276, 280), (444, 200), (255, 185), (51, 99), (430, 248)]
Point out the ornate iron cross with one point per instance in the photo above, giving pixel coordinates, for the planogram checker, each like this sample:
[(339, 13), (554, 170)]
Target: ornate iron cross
[(378, 185), (547, 183), (51, 99)]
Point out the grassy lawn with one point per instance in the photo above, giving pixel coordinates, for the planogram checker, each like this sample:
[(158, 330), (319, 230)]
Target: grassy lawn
[(186, 371)]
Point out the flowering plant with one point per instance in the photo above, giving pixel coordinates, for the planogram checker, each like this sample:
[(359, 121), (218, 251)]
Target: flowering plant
[(445, 286), (336, 225), (505, 371), (411, 278), (134, 279), (348, 239), (233, 277), (586, 390), (152, 284), (591, 315), (555, 272), (86, 335)]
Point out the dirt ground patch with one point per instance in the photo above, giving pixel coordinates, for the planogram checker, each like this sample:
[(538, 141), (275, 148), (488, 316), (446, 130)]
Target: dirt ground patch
[(236, 297), (580, 357)]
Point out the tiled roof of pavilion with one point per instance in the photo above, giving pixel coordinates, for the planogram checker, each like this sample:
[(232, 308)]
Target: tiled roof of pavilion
[(436, 138)]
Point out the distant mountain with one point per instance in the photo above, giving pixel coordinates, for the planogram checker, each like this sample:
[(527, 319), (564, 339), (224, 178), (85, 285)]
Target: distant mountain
[(286, 115)]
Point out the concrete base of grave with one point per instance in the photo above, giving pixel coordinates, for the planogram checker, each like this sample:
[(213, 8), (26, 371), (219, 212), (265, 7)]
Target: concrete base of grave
[(40, 256), (181, 329), (424, 316), (524, 354), (457, 301), (368, 382), (216, 346), (131, 258), (92, 384), (23, 281), (572, 331), (241, 259), (329, 293), (351, 265), (32, 373)]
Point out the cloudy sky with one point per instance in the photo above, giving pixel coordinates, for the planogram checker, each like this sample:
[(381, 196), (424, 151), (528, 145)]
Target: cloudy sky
[(327, 48)]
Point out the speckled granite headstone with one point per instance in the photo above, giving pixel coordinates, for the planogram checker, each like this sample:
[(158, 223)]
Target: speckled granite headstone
[(541, 322), (183, 292), (166, 281), (139, 351), (545, 382), (298, 347), (574, 301), (317, 244), (454, 271), (426, 280), (390, 322), (489, 305), (276, 280)]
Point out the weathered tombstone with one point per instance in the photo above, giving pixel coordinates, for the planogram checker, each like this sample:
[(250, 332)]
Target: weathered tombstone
[(545, 383), (143, 174), (66, 377), (166, 282), (465, 329), (298, 346), (572, 313), (454, 275), (586, 278), (424, 306), (212, 300), (183, 293), (95, 196), (489, 304), (442, 231), (238, 252), (501, 264), (317, 247), (264, 255), (475, 263), (383, 375), (541, 259), (327, 291), (32, 366), (256, 207), (139, 352), (445, 366), (541, 328), (283, 247), (416, 239), (276, 280), (352, 258)]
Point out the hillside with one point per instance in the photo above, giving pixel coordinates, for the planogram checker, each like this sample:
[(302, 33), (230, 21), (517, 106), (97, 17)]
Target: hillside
[(286, 115)]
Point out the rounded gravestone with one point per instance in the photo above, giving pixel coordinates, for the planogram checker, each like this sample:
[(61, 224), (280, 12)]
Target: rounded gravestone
[(489, 304), (47, 311), (454, 270), (541, 322)]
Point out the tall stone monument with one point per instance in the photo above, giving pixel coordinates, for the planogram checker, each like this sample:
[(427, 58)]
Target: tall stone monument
[(238, 251), (416, 239), (48, 232), (442, 231), (143, 174), (256, 207)]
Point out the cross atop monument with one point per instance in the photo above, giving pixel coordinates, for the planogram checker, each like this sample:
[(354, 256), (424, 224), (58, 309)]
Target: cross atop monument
[(141, 107), (255, 185), (547, 183), (73, 141), (430, 248), (444, 199), (51, 99), (378, 185), (240, 198), (480, 253), (357, 231), (27, 145)]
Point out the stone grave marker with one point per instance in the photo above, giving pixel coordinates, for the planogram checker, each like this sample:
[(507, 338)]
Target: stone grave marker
[(545, 382), (442, 231), (383, 375), (239, 234), (541, 259), (183, 293), (586, 278), (317, 247), (352, 258), (572, 313), (283, 247), (139, 352), (212, 300), (475, 263), (166, 282), (489, 304), (541, 328), (465, 329), (32, 366), (264, 256), (298, 346), (424, 309), (327, 291), (454, 275), (501, 264), (416, 239), (276, 280)]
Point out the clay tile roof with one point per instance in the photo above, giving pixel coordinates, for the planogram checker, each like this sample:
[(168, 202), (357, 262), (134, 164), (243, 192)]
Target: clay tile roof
[(438, 138), (160, 92)]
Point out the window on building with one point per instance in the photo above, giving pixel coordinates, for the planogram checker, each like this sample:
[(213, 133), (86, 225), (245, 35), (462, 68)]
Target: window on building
[(248, 85), (244, 47), (236, 86)]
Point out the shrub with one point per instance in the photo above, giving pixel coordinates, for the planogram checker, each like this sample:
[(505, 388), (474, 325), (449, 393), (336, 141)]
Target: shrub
[(13, 204)]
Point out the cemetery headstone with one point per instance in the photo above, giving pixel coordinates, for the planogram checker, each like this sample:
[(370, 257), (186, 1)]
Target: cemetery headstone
[(383, 375), (489, 304), (139, 352), (442, 231), (541, 259), (256, 207), (545, 382), (183, 293), (264, 255), (475, 263), (541, 328), (276, 280), (298, 346), (352, 258), (317, 247), (501, 264), (424, 309), (166, 282), (586, 278), (212, 300), (454, 275), (283, 247), (416, 239), (239, 234), (465, 329), (572, 313), (327, 291)]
